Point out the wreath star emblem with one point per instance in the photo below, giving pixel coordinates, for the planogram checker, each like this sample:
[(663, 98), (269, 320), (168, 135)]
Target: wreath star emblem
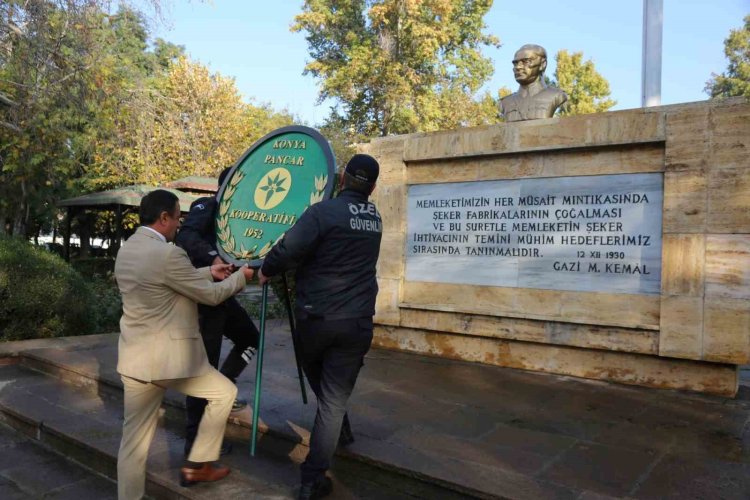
[(273, 186)]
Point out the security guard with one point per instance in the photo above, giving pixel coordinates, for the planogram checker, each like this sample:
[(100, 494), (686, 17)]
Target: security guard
[(229, 319), (334, 246)]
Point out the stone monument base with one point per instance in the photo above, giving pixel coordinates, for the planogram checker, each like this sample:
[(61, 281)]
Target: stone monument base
[(621, 367), (612, 246)]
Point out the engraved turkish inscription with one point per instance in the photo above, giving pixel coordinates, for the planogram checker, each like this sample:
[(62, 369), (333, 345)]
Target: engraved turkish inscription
[(595, 233)]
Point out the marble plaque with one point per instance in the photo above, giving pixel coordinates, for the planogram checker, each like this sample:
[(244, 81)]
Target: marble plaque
[(594, 234)]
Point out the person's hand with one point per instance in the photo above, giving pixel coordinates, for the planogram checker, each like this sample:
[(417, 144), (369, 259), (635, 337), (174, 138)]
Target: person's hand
[(249, 273), (217, 260), (262, 278), (221, 271)]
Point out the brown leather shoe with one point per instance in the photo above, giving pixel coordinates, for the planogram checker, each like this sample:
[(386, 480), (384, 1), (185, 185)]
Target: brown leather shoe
[(206, 473)]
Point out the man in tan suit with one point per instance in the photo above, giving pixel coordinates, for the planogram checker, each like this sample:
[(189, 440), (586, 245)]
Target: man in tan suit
[(160, 344)]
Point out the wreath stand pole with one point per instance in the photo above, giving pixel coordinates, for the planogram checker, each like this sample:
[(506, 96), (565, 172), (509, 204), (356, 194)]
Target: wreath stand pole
[(295, 338), (259, 368)]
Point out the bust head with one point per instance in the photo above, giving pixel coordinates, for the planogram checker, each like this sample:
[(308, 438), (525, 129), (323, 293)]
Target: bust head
[(529, 64)]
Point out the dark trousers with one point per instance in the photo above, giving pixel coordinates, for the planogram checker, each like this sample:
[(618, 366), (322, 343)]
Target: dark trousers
[(229, 319), (333, 353)]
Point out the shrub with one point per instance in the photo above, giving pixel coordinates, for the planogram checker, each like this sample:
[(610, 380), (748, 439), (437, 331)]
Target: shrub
[(94, 267), (41, 295), (275, 309), (108, 304), (100, 274), (277, 285)]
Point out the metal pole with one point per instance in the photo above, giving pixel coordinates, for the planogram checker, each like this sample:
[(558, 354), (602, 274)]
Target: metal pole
[(259, 368), (295, 339), (653, 19)]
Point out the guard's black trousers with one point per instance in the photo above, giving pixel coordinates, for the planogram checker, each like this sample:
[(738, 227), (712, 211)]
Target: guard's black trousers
[(332, 353), (229, 319)]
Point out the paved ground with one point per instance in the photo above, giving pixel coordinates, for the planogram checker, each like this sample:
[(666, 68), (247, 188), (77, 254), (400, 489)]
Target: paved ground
[(495, 431), (29, 470)]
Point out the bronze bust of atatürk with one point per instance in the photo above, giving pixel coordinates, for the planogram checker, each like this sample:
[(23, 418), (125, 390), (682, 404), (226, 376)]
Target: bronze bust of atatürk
[(534, 99)]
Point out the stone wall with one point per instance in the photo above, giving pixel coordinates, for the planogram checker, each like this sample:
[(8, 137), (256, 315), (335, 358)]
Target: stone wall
[(691, 336)]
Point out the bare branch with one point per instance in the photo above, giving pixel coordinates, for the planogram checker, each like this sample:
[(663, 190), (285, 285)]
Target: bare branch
[(6, 101), (9, 126)]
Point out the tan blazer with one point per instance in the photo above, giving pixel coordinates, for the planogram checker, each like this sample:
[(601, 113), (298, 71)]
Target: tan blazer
[(159, 334)]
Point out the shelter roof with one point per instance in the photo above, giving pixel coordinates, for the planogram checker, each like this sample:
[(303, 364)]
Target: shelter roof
[(195, 183), (128, 196)]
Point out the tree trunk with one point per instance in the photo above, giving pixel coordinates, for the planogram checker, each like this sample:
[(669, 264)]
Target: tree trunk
[(22, 216), (84, 235), (66, 236)]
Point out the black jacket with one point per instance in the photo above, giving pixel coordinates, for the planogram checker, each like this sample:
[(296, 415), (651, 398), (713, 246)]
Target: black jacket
[(197, 234), (334, 246)]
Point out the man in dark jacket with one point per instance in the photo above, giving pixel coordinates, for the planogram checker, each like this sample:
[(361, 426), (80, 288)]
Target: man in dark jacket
[(334, 246), (229, 319)]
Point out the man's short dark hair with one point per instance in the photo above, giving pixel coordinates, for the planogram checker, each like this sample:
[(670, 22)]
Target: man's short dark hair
[(154, 203)]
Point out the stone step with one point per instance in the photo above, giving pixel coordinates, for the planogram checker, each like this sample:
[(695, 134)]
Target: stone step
[(79, 414), (436, 428), (31, 470), (402, 469)]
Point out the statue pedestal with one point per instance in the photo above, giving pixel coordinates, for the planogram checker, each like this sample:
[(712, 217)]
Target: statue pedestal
[(530, 245)]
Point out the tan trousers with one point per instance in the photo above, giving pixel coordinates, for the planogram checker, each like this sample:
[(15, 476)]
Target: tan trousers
[(142, 403)]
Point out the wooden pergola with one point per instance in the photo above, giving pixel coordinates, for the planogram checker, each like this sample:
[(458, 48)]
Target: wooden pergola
[(124, 199)]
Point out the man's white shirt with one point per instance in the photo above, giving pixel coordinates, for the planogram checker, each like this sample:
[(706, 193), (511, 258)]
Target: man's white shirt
[(161, 236)]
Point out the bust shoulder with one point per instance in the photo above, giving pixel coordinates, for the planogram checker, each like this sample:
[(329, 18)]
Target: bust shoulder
[(512, 97), (553, 93), (510, 102)]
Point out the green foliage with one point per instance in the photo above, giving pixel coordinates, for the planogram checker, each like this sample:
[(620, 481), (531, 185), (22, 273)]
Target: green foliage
[(42, 59), (342, 138), (588, 91), (94, 267), (68, 66), (97, 109), (397, 66), (736, 80), (99, 273), (190, 122), (276, 309), (107, 309), (41, 295)]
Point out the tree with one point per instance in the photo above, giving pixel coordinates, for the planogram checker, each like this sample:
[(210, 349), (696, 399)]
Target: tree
[(188, 121), (93, 107), (126, 78), (736, 80), (399, 66), (61, 62), (45, 54), (588, 91)]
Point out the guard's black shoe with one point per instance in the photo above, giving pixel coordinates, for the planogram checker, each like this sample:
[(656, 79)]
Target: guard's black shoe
[(319, 489)]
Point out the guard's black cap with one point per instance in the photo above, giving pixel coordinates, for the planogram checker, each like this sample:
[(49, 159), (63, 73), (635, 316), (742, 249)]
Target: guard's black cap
[(364, 168)]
